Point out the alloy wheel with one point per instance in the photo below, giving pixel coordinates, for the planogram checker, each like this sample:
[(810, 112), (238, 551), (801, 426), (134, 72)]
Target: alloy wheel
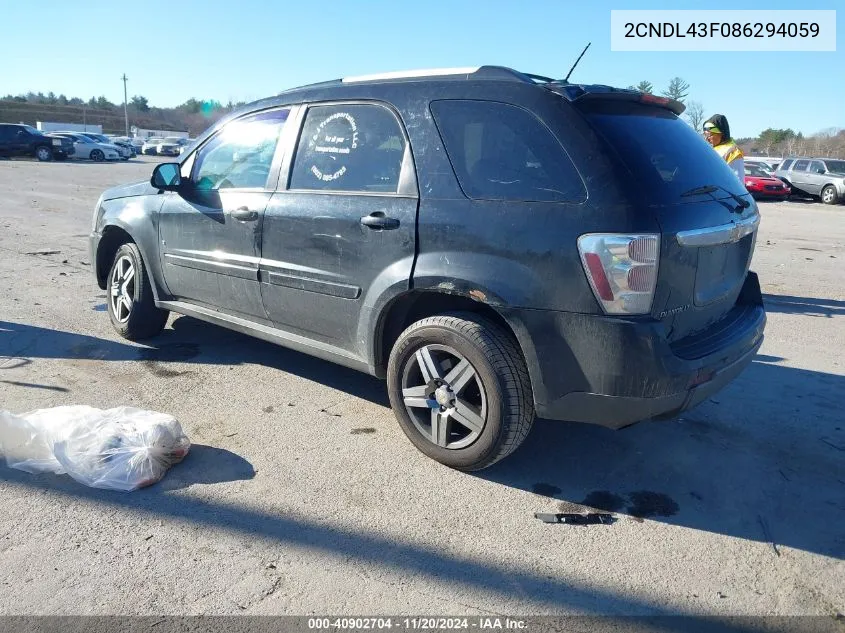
[(444, 396), (122, 288)]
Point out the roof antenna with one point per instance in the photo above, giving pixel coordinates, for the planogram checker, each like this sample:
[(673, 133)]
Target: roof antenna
[(566, 79)]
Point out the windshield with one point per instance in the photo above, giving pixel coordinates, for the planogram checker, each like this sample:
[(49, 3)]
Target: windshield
[(836, 165), (32, 130), (666, 157), (173, 139), (757, 170)]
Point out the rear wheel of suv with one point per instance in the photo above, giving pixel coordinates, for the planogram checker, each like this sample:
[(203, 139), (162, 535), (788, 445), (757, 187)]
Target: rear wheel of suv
[(43, 154), (97, 155), (131, 304), (829, 195), (460, 390)]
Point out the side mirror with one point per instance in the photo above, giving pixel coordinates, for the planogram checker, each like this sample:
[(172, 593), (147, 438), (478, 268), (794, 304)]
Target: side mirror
[(167, 176), (821, 171)]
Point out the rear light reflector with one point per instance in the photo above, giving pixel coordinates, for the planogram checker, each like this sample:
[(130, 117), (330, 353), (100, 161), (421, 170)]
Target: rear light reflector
[(621, 270), (602, 285)]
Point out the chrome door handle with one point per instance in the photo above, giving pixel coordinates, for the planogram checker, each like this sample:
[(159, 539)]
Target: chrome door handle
[(244, 214)]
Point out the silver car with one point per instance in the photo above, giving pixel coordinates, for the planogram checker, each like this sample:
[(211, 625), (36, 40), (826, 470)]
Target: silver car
[(124, 151), (87, 148), (170, 146), (818, 177)]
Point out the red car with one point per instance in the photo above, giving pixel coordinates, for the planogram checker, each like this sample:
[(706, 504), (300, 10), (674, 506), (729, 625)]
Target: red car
[(763, 184)]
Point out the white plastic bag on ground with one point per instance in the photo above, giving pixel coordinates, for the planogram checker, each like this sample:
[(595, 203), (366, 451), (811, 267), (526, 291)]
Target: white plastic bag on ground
[(116, 449)]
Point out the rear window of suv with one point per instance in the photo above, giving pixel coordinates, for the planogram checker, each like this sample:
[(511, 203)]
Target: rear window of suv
[(665, 155), (503, 152)]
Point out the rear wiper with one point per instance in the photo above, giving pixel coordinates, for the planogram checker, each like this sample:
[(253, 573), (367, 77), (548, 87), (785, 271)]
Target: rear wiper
[(705, 189)]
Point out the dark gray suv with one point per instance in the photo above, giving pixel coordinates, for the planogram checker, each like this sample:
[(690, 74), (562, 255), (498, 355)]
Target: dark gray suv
[(495, 244)]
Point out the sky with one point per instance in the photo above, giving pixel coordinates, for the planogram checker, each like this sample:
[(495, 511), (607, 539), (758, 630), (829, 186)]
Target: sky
[(242, 50)]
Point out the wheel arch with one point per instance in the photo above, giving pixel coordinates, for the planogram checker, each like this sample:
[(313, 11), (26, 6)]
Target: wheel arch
[(413, 305), (115, 235)]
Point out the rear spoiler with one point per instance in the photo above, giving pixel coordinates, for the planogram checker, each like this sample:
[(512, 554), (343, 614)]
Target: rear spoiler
[(581, 93)]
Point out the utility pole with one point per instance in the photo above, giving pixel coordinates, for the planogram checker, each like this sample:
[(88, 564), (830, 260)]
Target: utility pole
[(125, 111)]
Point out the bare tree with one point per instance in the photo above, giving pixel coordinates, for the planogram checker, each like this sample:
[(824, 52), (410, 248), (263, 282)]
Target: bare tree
[(695, 115)]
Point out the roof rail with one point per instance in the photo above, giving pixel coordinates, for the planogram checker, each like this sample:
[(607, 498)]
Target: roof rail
[(469, 72)]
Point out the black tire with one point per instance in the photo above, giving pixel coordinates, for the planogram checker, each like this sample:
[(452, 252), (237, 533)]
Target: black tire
[(500, 369), (829, 195), (144, 319), (43, 153), (98, 156)]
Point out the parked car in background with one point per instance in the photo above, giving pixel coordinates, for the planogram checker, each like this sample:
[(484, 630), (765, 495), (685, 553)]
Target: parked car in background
[(125, 142), (137, 143), (761, 183), (170, 146), (89, 149), (124, 151), (494, 245), (188, 144), (25, 140), (150, 145), (767, 162), (823, 178)]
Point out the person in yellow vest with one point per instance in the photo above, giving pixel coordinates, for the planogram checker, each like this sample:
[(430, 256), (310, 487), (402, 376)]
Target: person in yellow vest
[(717, 132)]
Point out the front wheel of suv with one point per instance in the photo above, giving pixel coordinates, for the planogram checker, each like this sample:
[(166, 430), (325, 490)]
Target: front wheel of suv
[(829, 195), (43, 154), (460, 390), (131, 304)]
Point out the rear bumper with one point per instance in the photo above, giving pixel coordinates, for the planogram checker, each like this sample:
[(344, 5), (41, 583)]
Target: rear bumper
[(615, 371)]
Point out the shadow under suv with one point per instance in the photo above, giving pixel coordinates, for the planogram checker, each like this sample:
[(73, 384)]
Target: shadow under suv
[(496, 245)]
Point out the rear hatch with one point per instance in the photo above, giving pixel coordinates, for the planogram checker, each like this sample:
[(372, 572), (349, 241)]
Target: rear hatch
[(707, 218)]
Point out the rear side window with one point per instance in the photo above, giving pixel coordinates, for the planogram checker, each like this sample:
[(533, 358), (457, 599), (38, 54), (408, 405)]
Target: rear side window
[(786, 164), (502, 152), (665, 155), (350, 148), (801, 165)]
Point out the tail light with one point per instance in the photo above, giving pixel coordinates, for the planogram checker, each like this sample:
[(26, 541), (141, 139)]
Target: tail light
[(621, 269)]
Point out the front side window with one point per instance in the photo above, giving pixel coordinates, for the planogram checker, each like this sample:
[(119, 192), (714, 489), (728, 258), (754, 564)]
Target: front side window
[(817, 167), (801, 165), (503, 152), (349, 148), (241, 154)]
